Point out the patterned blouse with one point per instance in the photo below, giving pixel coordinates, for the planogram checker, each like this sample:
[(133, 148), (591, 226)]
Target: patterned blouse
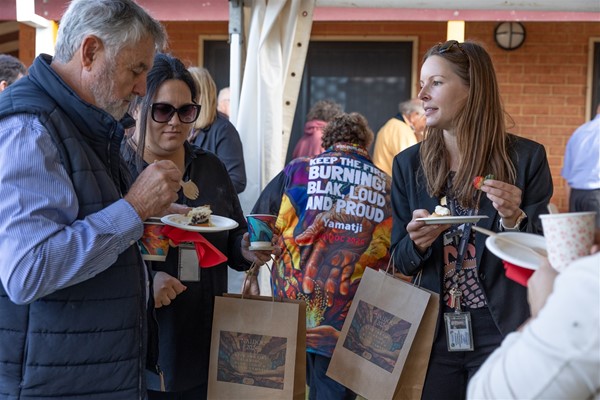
[(472, 295)]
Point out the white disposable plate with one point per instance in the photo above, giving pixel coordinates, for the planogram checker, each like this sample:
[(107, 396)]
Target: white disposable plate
[(261, 248), (217, 222), (459, 219), (517, 255)]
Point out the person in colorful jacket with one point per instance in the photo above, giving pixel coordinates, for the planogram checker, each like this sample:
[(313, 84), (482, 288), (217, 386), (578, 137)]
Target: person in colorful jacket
[(334, 219)]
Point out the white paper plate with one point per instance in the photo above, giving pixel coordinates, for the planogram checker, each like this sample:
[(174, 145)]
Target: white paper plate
[(515, 254), (218, 223), (261, 248), (459, 219)]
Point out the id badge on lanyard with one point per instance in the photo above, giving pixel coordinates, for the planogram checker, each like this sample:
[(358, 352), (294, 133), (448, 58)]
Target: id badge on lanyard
[(459, 334), (188, 269)]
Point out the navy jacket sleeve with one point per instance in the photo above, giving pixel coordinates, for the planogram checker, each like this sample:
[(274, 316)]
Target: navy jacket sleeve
[(269, 200), (408, 194), (534, 179), (229, 149)]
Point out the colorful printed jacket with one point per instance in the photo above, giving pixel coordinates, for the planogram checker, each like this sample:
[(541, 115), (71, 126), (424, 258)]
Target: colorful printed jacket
[(334, 218)]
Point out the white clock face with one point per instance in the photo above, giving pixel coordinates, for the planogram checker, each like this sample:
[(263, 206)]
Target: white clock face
[(509, 35)]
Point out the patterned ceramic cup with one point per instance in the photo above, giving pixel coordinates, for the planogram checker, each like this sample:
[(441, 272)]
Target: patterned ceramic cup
[(568, 236), (153, 244), (261, 228)]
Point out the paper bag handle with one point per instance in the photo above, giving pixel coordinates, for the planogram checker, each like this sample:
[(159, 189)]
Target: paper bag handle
[(253, 270), (391, 263), (416, 282)]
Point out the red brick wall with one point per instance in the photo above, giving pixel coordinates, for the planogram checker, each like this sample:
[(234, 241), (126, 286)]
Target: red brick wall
[(543, 83), (26, 44), (183, 37)]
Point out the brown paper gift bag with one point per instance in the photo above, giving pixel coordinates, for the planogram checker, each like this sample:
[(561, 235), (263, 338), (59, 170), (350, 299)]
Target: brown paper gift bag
[(379, 338), (413, 374), (258, 349)]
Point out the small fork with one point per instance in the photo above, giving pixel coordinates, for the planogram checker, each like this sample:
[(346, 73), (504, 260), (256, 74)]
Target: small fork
[(190, 190)]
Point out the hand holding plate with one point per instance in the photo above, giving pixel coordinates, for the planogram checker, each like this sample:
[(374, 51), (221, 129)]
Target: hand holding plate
[(422, 234)]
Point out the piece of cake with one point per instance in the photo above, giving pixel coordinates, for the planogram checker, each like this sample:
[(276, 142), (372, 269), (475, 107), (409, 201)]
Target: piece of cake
[(441, 211), (478, 180), (200, 215)]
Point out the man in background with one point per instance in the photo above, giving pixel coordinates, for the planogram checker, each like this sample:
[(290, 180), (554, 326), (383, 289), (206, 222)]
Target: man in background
[(223, 101), (398, 133), (581, 169), (11, 69)]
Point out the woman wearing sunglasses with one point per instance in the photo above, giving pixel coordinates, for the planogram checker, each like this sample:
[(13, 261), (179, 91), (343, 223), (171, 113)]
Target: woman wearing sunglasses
[(165, 116), (465, 138)]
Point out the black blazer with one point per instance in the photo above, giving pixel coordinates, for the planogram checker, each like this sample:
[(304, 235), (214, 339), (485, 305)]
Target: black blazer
[(507, 300), (223, 139)]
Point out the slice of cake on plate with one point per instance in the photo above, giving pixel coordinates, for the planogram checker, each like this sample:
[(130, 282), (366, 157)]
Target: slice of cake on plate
[(200, 215), (441, 211)]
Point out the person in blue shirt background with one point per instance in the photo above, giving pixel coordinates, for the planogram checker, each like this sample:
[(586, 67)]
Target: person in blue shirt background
[(581, 169)]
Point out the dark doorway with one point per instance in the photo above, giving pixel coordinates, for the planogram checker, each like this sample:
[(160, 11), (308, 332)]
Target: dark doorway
[(216, 61), (367, 77)]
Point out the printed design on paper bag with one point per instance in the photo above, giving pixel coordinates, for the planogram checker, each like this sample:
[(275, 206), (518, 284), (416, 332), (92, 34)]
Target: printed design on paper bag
[(376, 335), (254, 360)]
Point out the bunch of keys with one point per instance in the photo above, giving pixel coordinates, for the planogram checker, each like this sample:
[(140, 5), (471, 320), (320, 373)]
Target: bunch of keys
[(455, 295)]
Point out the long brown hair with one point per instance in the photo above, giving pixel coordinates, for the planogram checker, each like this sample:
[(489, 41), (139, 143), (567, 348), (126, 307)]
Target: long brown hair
[(481, 134)]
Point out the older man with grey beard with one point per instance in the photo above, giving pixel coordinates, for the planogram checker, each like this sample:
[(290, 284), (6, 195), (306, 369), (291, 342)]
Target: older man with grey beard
[(75, 291)]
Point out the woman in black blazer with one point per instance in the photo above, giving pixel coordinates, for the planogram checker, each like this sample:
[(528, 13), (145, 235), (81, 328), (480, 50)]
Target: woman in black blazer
[(465, 138)]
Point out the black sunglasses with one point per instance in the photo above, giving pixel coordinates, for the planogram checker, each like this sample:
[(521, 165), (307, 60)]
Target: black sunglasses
[(444, 47), (163, 112)]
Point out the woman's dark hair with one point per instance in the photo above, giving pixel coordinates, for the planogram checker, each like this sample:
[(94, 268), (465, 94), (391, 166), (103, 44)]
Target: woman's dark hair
[(165, 67)]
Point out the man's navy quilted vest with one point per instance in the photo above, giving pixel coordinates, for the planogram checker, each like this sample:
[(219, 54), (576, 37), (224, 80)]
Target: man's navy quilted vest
[(87, 340)]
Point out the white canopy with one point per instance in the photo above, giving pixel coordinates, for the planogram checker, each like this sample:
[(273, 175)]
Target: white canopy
[(276, 50)]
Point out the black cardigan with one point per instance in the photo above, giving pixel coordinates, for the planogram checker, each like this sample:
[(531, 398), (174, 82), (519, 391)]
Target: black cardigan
[(185, 325), (224, 140)]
